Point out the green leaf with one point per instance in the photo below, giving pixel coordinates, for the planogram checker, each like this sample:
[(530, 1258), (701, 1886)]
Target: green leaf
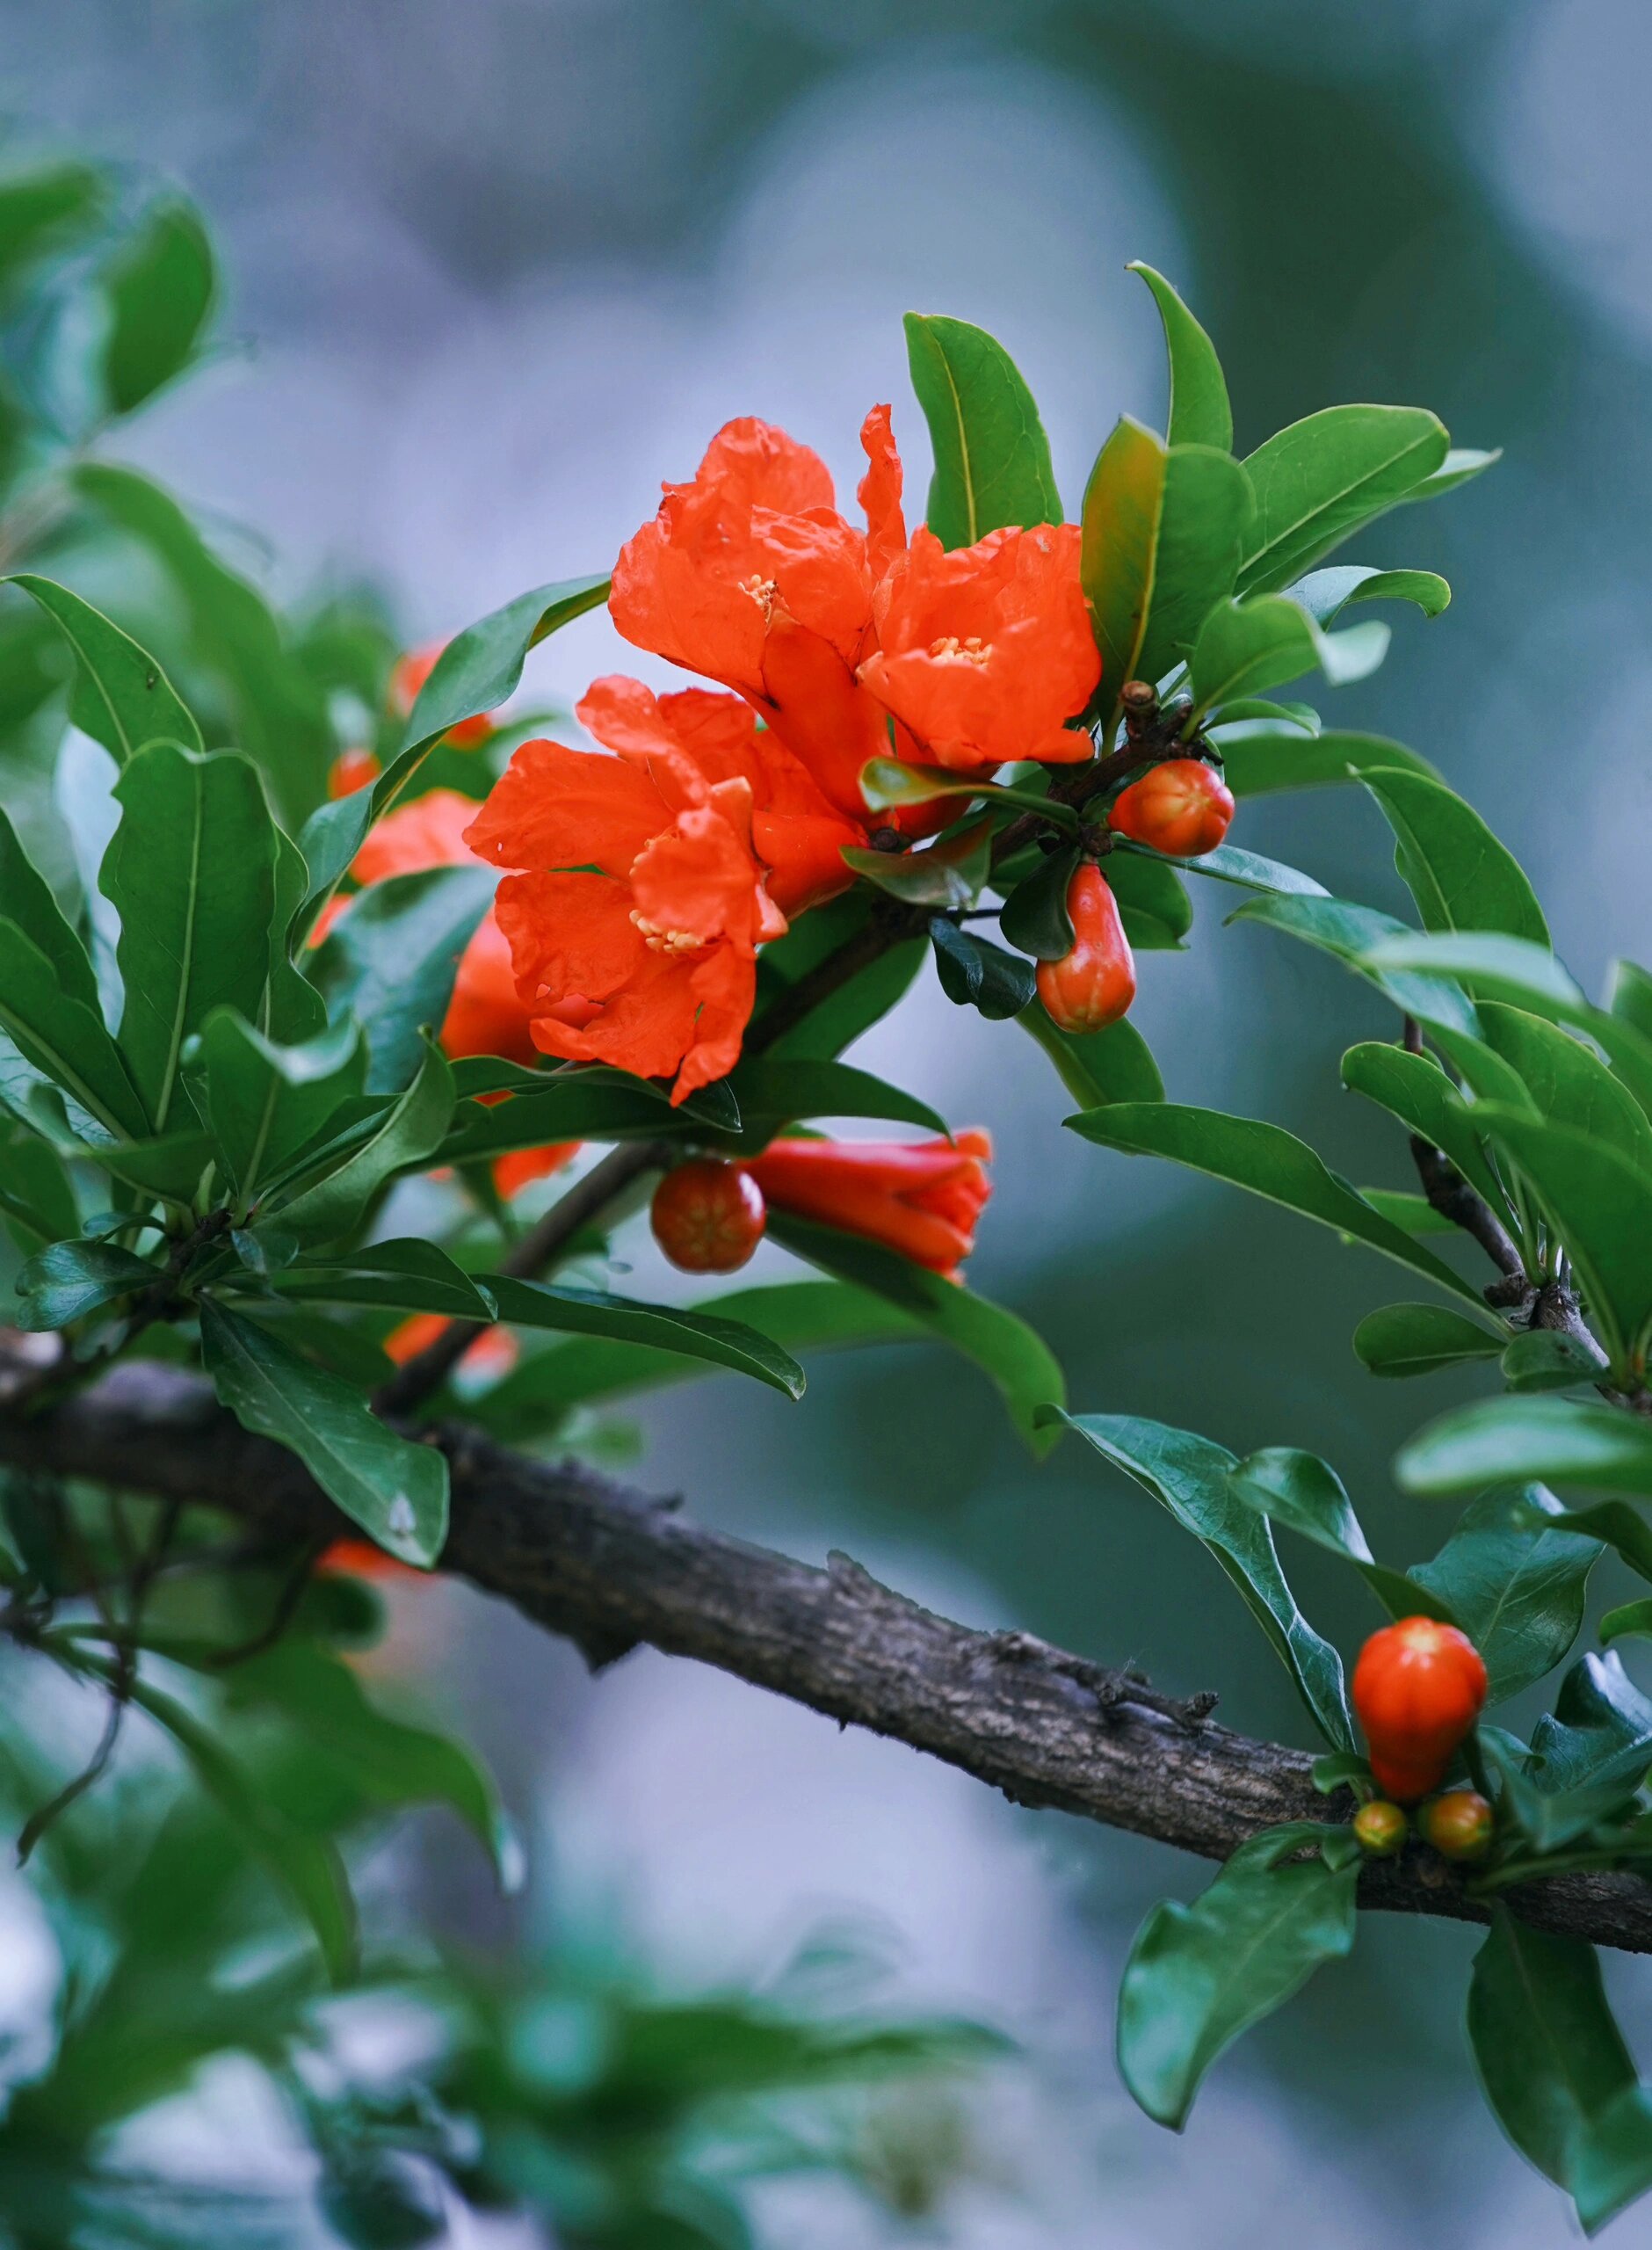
[(1496, 966), (1629, 996), (887, 785), (698, 1335), (295, 1012), (406, 1275), (947, 875), (65, 1038), (160, 292), (1630, 1620), (1306, 1494), (1199, 413), (388, 963), (1405, 1339), (1413, 1213), (1460, 464), (1601, 1204), (1543, 1359), (1097, 1067), (1190, 1475), (1034, 917), (992, 459), (1244, 646), (1154, 907), (774, 1092), (1203, 520), (395, 1491), (977, 974), (410, 1132), (1352, 934), (125, 699), (1228, 863), (1612, 2164), (1515, 1440), (29, 904), (1515, 1586), (1123, 501), (1016, 1359), (1567, 1082), (1325, 595), (1201, 1976), (1270, 1162), (70, 1279), (191, 875), (575, 1106), (476, 672), (1318, 480), (1265, 764), (1416, 1090), (262, 1102), (1550, 2059), (1461, 877), (37, 1196), (42, 210)]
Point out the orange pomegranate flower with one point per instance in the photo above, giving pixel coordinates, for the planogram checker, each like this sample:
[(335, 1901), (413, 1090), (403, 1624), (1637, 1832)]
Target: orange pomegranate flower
[(409, 674), (922, 1198), (634, 926)]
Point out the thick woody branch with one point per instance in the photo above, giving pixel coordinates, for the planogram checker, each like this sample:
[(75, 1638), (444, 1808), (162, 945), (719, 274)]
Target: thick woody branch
[(611, 1569)]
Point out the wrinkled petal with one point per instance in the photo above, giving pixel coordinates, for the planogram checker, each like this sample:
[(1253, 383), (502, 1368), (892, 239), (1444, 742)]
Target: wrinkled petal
[(553, 807), (827, 721), (724, 986), (878, 492), (571, 936), (754, 465), (695, 880), (645, 1027)]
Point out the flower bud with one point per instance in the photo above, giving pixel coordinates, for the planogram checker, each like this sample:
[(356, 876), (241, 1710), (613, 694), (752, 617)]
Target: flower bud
[(1380, 1828), (1457, 1825), (1181, 807), (1093, 985), (1418, 1687), (708, 1217)]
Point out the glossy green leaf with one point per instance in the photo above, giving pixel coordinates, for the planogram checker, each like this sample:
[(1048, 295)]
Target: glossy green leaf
[(1199, 413), (773, 1091), (1324, 476), (408, 1274), (1097, 1067), (1567, 1083), (1270, 1162), (124, 699), (1248, 870), (1244, 646), (1325, 595), (1494, 967), (1545, 1359), (262, 1102), (160, 292), (1515, 1585), (1407, 1339), (1016, 1360), (1461, 877), (1630, 1621), (992, 459), (1205, 520), (395, 1489), (974, 973), (1460, 465), (29, 904), (1154, 907), (69, 1280), (1353, 935), (295, 1012), (1305, 1494), (1602, 1205), (410, 1132), (1301, 718), (1416, 1090), (702, 1336), (1198, 1977), (569, 1106), (37, 1196), (191, 875), (1035, 918), (1265, 764), (1191, 1477), (1629, 996), (886, 785), (1123, 502), (389, 962), (947, 875), (63, 1036), (1515, 1440)]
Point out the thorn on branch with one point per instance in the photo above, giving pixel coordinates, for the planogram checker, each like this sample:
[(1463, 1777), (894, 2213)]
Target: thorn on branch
[(1110, 1688)]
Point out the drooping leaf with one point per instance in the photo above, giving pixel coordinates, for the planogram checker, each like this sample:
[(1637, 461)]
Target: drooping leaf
[(124, 699), (1461, 877), (1201, 1976), (1494, 967), (1245, 647), (1352, 934), (1016, 1360), (395, 1489), (1325, 595), (1199, 413), (974, 973), (992, 459), (1517, 1440), (1251, 1153), (1097, 1067), (1248, 870), (191, 875), (1190, 1475), (1515, 1586), (389, 962), (29, 903), (1407, 1339), (702, 1336), (69, 1280), (410, 1130), (160, 292), (1324, 476), (262, 1102), (1299, 1490), (1265, 764), (947, 875), (60, 1035)]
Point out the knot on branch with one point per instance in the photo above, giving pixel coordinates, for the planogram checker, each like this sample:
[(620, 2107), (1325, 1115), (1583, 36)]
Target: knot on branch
[(1112, 1688)]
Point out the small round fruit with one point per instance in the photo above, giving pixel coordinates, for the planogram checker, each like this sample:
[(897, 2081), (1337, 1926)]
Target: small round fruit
[(1093, 985), (708, 1217), (1457, 1825), (1181, 807), (1380, 1828)]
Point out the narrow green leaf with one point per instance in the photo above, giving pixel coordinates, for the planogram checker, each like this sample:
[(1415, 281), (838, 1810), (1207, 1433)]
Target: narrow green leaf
[(702, 1336), (1270, 1162), (1097, 1067), (160, 292), (1460, 464), (410, 1132), (1190, 1475), (72, 1279), (1630, 1620), (1199, 413), (388, 963), (1416, 1090), (773, 1091), (395, 1491), (1494, 967), (992, 459), (262, 1102), (1201, 1976), (63, 1036), (1320, 478), (1461, 877), (1123, 503), (1514, 1585), (1353, 935), (1515, 1440), (1265, 764), (29, 904), (1602, 1205), (125, 699), (406, 1275), (1306, 1494), (1205, 518), (1230, 863)]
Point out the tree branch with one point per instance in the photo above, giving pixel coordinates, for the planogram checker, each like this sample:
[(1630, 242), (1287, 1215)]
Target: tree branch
[(612, 1568)]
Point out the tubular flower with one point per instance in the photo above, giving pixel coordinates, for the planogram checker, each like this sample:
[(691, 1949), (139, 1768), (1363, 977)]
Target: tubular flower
[(921, 1198), (635, 926), (849, 644), (409, 673)]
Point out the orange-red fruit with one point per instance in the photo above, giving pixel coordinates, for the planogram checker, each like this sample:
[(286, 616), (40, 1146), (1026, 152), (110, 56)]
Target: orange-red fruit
[(1183, 807), (1380, 1828), (1419, 1687), (708, 1217), (1093, 985), (1457, 1825)]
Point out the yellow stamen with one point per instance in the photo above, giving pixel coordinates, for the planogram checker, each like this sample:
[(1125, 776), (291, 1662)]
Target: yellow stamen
[(974, 651)]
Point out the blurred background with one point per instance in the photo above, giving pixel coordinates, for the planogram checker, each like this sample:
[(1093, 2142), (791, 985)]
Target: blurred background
[(497, 267)]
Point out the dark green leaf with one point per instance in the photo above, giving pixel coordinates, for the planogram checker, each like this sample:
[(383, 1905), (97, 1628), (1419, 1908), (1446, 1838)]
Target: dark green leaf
[(1416, 1090), (1352, 934), (1611, 2165), (1516, 1440), (1154, 906), (29, 904), (389, 962), (72, 1279), (1199, 413), (571, 1105), (1248, 870), (125, 699), (1018, 1361), (1630, 1620), (63, 1036), (407, 1275), (1602, 1205), (37, 1196), (160, 291), (191, 875), (411, 1131), (1461, 877), (947, 875), (773, 1091), (262, 1102), (1264, 764), (1123, 502), (974, 973), (1305, 1494), (1201, 1976), (1034, 917), (1097, 1067), (1190, 1475), (1514, 1585), (1494, 967), (395, 1491), (1567, 1082), (42, 210), (992, 459), (1544, 1359), (1270, 1162), (1318, 480), (698, 1335), (1405, 1339)]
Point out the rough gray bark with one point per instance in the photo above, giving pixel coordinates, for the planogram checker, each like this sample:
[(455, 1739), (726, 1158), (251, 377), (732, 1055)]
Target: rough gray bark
[(611, 1568)]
